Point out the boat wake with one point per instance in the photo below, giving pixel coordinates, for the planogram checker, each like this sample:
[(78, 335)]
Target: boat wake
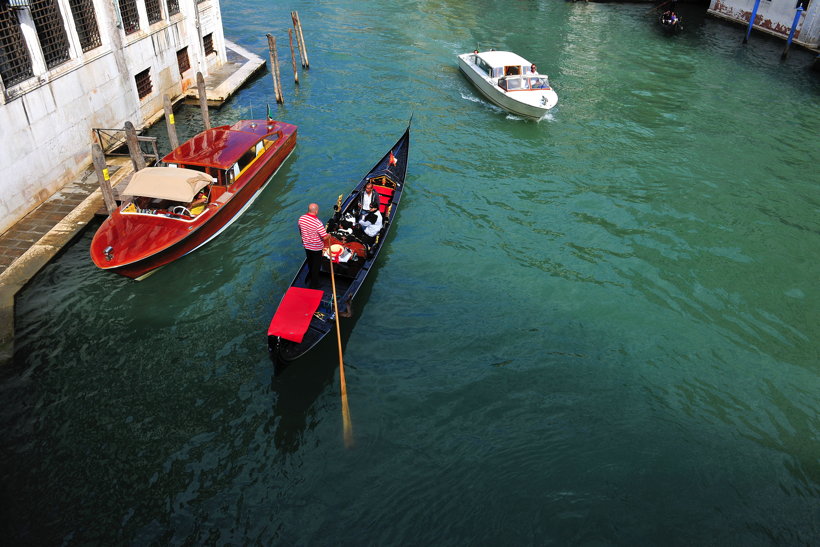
[(472, 98)]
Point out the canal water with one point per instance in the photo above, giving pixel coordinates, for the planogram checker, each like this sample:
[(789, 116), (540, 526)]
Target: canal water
[(600, 328)]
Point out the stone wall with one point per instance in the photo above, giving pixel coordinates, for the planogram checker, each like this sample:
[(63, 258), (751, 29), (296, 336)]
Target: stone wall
[(47, 121)]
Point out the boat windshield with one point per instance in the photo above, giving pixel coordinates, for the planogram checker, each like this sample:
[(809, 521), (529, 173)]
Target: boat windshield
[(539, 82), (514, 84)]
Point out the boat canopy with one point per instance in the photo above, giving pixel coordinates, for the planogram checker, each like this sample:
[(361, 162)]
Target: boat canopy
[(171, 183), (498, 59)]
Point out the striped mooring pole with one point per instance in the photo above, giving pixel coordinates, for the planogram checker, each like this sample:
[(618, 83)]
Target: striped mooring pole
[(751, 21)]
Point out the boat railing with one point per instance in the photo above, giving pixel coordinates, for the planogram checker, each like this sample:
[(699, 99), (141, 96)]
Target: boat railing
[(113, 143)]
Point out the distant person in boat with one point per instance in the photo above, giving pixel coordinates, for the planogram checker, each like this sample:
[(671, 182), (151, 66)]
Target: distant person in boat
[(533, 69), (314, 240), (369, 200)]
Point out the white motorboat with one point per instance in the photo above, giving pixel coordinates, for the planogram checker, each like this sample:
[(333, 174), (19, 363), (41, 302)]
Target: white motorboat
[(509, 81)]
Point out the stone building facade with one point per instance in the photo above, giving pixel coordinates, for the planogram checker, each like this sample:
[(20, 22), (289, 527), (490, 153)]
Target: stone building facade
[(70, 66), (775, 17)]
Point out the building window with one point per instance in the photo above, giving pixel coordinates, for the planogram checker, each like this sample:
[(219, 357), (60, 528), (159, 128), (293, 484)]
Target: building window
[(51, 31), (130, 16), (15, 63), (173, 7), (208, 44), (86, 22), (143, 80), (183, 61), (154, 11)]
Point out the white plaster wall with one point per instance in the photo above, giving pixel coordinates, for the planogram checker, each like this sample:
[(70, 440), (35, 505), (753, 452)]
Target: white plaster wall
[(774, 17), (46, 124)]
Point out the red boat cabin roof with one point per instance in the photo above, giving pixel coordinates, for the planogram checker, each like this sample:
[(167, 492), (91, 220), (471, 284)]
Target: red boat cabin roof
[(221, 147)]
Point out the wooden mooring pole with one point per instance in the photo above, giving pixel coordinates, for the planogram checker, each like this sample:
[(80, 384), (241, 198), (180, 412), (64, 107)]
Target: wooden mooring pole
[(98, 157), (293, 57), (203, 100), (274, 69), (134, 149), (300, 39), (170, 123)]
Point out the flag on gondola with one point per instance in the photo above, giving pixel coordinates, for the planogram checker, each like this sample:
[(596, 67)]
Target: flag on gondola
[(393, 160), (270, 120)]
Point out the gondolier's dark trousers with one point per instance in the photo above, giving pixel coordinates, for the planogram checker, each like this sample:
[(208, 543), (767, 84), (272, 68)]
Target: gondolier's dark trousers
[(314, 260)]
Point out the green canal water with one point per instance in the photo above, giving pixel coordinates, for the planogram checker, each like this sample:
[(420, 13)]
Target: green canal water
[(597, 329)]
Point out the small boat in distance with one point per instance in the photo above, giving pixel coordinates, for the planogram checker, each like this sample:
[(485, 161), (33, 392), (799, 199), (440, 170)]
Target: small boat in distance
[(305, 315), (205, 185), (670, 21), (509, 81)]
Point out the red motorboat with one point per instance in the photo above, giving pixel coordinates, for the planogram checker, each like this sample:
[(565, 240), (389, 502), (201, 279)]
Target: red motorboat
[(205, 185)]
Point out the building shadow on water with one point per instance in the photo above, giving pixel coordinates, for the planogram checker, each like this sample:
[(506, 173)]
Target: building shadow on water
[(299, 384)]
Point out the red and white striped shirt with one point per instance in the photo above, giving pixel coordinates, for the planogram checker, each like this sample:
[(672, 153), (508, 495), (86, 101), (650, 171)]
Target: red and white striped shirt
[(313, 232)]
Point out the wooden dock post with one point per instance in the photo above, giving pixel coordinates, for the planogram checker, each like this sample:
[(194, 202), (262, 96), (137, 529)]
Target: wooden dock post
[(170, 123), (98, 157), (293, 57), (274, 69), (134, 149), (300, 39), (203, 100)]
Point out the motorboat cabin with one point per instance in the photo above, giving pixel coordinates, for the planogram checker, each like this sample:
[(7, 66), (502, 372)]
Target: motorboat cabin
[(509, 81)]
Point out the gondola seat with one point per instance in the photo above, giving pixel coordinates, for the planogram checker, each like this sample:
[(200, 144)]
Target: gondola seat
[(385, 194)]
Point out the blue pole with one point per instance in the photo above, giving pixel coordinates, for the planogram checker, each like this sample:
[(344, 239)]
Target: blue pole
[(751, 21), (797, 15)]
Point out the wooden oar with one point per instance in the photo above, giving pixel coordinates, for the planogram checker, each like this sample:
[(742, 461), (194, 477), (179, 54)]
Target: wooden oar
[(659, 6), (346, 424)]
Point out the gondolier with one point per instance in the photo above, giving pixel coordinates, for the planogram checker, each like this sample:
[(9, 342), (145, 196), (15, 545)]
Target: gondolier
[(314, 240)]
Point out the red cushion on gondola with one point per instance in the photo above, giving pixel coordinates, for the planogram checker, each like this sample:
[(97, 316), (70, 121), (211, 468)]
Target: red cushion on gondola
[(383, 190), (292, 319)]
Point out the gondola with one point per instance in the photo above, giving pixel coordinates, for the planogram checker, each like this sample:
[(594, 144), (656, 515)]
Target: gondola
[(670, 22), (305, 316)]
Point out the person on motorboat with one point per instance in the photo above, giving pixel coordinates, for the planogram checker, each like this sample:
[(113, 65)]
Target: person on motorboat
[(199, 203)]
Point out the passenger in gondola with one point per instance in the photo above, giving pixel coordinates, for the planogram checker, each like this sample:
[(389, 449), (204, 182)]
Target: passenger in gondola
[(371, 225), (369, 200)]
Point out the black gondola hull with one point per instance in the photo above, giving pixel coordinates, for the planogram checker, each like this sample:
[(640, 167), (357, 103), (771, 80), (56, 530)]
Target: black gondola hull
[(388, 176)]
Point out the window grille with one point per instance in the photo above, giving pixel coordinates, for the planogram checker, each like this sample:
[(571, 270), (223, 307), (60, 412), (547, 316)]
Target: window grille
[(183, 61), (51, 31), (15, 63), (144, 86), (208, 44), (86, 22), (154, 11), (130, 16), (173, 7)]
